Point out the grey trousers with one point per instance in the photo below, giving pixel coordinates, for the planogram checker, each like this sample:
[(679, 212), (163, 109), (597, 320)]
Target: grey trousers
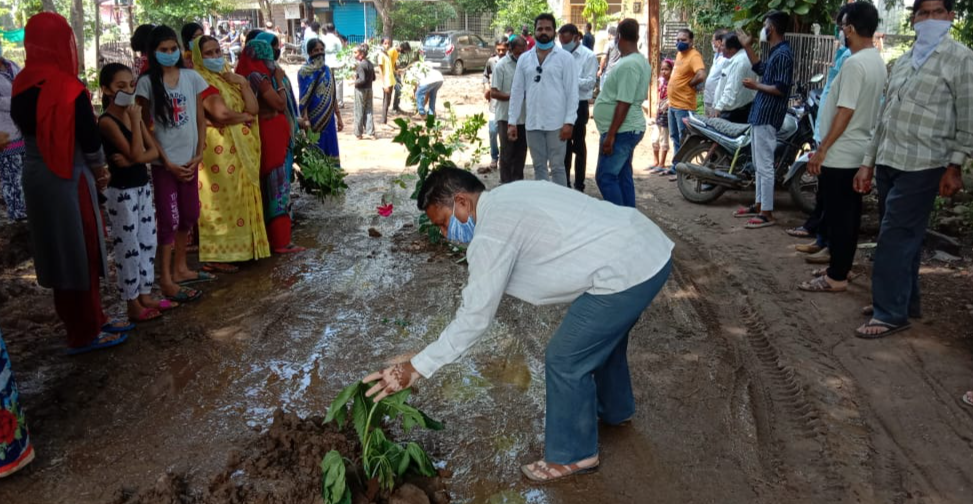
[(763, 141), (547, 153), (363, 112)]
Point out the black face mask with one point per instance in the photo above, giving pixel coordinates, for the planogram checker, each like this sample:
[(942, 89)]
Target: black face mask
[(276, 54), (544, 38)]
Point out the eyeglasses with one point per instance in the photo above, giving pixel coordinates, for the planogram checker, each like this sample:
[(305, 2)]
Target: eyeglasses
[(537, 78)]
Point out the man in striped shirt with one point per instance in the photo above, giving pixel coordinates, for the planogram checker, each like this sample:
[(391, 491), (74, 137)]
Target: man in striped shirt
[(768, 111)]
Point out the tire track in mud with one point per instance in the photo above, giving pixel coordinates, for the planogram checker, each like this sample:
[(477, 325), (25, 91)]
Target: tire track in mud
[(797, 454)]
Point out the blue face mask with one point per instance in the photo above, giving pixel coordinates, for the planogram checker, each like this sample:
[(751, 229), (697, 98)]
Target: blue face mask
[(682, 46), (570, 46), (167, 59), (544, 46), (214, 64), (460, 232)]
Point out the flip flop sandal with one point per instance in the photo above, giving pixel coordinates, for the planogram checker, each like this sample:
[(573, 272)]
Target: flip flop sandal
[(166, 305), (750, 211), (113, 327), (890, 329), (968, 398), (104, 340), (799, 232), (820, 284), (760, 222), (852, 275), (220, 268), (185, 296), (201, 276), (548, 473), (148, 314)]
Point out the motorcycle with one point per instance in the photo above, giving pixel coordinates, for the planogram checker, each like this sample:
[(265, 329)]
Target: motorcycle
[(291, 54), (715, 155)]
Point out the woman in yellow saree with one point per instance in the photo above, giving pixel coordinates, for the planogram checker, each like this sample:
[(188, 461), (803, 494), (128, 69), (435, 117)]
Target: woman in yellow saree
[(231, 223)]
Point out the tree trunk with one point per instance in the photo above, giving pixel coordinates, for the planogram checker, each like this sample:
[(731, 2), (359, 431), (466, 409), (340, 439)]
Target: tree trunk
[(48, 6), (384, 10), (97, 32), (77, 24)]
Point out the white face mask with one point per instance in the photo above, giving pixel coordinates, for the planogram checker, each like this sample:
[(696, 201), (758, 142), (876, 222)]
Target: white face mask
[(763, 34), (123, 99), (929, 34)]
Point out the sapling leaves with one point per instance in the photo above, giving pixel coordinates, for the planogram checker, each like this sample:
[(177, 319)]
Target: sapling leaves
[(420, 460), (337, 409), (334, 489)]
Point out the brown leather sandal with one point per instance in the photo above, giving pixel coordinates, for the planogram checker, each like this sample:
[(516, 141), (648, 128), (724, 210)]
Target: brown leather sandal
[(543, 472)]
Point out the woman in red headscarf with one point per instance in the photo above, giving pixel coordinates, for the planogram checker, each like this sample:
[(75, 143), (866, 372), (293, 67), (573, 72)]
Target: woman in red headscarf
[(53, 111)]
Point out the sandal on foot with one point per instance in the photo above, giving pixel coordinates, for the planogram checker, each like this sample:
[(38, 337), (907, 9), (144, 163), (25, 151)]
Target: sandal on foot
[(852, 275), (820, 284), (799, 232), (147, 315), (750, 211), (104, 340), (115, 327), (290, 249), (542, 472), (166, 305), (215, 267), (890, 329), (968, 398), (185, 295), (201, 276), (760, 221)]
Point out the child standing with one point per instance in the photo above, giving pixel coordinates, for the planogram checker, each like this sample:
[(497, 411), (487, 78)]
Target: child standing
[(660, 146), (129, 147), (172, 98)]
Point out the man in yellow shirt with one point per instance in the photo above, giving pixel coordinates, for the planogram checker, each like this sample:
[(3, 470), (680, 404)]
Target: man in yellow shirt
[(689, 72), (386, 63)]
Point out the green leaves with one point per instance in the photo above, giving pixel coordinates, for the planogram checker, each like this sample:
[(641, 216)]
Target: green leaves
[(319, 173), (334, 487), (337, 411)]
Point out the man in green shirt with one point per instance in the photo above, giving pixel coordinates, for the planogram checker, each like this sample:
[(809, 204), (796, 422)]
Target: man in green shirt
[(619, 119)]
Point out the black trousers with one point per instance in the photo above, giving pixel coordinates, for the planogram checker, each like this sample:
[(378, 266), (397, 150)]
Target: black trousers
[(386, 101), (576, 145), (844, 218), (815, 222), (513, 155), (740, 115), (397, 93)]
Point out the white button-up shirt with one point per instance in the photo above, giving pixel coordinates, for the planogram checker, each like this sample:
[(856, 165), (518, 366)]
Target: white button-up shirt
[(545, 244), (713, 79), (552, 100), (731, 94), (586, 63)]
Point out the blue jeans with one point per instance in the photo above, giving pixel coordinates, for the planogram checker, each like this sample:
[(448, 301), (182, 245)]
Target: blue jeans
[(427, 92), (905, 202), (614, 172), (677, 128), (586, 369), (494, 140)]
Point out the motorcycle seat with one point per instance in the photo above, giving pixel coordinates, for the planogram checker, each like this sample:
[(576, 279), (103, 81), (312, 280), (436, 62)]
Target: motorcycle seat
[(727, 128)]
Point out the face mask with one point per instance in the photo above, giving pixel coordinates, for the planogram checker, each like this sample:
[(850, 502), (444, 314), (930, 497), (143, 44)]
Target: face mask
[(167, 59), (214, 64), (191, 44), (682, 46), (544, 46), (460, 232), (929, 34), (763, 34), (570, 46), (123, 99)]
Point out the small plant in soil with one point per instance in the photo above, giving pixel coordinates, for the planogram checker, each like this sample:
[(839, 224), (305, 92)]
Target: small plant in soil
[(383, 462), (317, 172)]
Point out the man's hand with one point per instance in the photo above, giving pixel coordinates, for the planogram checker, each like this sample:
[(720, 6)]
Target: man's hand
[(749, 83), (863, 179), (715, 113), (390, 380), (387, 89), (566, 131), (487, 95), (814, 165), (745, 39), (951, 182), (512, 132), (608, 145)]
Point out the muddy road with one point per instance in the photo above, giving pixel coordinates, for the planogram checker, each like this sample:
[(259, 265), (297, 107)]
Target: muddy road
[(747, 390)]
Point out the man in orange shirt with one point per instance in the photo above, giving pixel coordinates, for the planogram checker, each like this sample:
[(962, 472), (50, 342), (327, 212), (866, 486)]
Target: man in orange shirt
[(690, 71)]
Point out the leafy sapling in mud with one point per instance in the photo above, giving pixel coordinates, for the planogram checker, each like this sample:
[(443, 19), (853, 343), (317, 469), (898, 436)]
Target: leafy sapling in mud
[(382, 459)]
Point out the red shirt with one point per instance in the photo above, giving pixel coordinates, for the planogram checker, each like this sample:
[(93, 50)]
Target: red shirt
[(530, 42)]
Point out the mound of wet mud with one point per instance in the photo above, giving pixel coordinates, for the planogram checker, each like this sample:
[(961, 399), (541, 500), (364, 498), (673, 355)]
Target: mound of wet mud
[(282, 467)]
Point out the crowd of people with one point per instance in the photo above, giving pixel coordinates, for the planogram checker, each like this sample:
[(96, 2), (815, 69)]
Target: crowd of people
[(194, 148)]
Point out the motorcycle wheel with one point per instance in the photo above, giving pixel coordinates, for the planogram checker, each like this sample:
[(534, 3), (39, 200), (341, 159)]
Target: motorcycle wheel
[(804, 189), (692, 189)]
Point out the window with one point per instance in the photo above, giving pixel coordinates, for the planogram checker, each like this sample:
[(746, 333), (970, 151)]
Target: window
[(436, 40)]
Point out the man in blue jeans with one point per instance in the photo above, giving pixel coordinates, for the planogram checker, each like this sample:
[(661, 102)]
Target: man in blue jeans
[(688, 73), (923, 138), (546, 244), (618, 116)]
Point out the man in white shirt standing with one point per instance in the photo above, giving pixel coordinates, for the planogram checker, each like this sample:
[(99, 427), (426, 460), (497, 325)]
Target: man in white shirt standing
[(513, 153), (332, 45), (546, 244), (546, 83), (715, 75), (732, 100), (586, 63)]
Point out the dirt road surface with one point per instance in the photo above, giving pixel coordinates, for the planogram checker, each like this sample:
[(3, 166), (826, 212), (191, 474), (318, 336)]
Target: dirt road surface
[(747, 391)]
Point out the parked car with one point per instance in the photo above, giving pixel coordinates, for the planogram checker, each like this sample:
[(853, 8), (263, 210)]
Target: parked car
[(456, 50)]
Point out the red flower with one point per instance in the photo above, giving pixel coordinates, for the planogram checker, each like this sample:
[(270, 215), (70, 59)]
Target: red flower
[(385, 210), (8, 426), (738, 8)]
